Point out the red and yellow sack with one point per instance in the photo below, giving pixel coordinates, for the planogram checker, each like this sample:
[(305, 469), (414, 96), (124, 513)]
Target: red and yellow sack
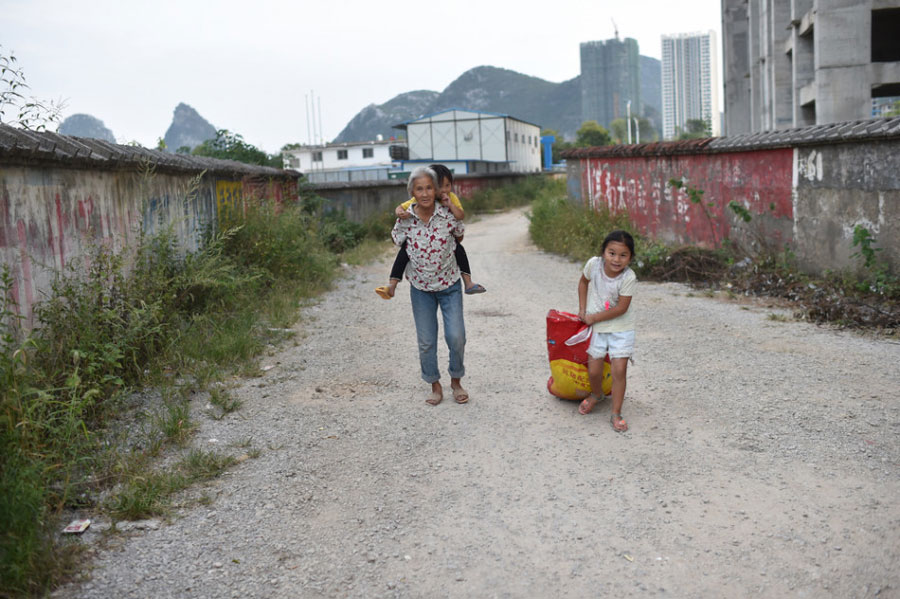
[(568, 363)]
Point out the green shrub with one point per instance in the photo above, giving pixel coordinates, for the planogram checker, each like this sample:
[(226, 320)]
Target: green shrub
[(521, 193), (110, 323), (563, 227)]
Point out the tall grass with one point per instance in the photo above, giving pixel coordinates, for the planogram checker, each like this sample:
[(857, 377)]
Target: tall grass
[(110, 325), (870, 300), (563, 227), (521, 193)]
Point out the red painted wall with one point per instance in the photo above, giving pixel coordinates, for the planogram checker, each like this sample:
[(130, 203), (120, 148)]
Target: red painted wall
[(760, 181)]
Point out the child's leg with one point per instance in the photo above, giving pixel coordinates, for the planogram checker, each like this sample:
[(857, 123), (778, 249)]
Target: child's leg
[(462, 259), (398, 268), (595, 376), (619, 371)]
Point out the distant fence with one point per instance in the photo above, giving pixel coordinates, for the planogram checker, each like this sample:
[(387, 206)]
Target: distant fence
[(348, 175), (60, 194), (805, 189), (362, 199)]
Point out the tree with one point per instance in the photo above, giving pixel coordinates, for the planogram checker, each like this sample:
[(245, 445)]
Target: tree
[(231, 146), (27, 113), (619, 131), (644, 129), (895, 109), (591, 134), (694, 129)]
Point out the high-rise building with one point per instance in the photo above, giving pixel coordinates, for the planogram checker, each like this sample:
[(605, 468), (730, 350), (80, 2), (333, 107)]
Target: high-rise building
[(610, 79), (690, 82), (794, 63)]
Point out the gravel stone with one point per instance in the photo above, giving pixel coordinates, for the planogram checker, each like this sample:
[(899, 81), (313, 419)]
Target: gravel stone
[(763, 457)]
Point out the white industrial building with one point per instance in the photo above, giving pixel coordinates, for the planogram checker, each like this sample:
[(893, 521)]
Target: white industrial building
[(470, 141), (356, 161), (690, 82)]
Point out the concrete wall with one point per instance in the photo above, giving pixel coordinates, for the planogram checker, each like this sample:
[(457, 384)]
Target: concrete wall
[(640, 186), (736, 67), (51, 215), (838, 187), (360, 200), (808, 198)]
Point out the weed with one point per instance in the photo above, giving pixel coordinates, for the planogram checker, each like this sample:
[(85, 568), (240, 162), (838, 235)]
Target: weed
[(877, 277), (201, 465), (563, 227), (521, 193), (113, 323), (144, 495), (695, 194), (778, 317), (863, 239), (742, 211), (223, 400), (174, 422)]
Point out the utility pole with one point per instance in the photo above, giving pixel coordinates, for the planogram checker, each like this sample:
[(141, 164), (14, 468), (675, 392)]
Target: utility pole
[(628, 119)]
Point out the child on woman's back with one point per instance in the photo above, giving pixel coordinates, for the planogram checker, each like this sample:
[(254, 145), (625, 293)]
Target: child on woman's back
[(604, 301), (445, 196)]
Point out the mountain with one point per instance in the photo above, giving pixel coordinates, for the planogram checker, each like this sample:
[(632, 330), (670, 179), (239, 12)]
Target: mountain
[(373, 120), (492, 89), (188, 128), (85, 125)]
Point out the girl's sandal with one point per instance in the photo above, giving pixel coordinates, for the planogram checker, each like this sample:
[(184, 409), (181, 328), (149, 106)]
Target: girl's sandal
[(586, 407), (618, 423)]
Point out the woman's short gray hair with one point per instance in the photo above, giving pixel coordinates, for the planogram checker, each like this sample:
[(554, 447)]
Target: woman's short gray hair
[(419, 172)]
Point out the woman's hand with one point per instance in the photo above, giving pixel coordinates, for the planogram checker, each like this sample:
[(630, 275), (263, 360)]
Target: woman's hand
[(401, 213)]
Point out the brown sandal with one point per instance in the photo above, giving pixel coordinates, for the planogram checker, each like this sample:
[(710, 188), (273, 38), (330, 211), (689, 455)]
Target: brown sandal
[(435, 398), (460, 395)]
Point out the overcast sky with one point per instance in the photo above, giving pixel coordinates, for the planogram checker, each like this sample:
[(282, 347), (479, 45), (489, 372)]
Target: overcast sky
[(248, 66)]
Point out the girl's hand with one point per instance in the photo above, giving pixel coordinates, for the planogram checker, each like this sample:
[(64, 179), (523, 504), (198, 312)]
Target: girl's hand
[(582, 317), (445, 200)]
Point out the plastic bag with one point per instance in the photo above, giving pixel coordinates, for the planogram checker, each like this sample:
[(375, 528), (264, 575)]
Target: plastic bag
[(567, 342)]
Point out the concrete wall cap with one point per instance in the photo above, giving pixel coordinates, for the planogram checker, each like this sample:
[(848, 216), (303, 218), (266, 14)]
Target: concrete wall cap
[(846, 132), (31, 148)]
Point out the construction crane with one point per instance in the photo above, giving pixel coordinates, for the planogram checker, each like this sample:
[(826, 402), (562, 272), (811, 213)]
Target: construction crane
[(615, 28)]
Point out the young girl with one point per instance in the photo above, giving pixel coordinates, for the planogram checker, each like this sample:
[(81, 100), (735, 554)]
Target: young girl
[(604, 301), (445, 178)]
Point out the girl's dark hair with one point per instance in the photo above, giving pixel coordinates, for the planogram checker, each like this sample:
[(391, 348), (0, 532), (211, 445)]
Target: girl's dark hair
[(442, 172), (620, 236)]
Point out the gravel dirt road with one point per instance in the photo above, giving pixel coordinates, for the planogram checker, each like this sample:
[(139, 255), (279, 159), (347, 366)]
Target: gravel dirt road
[(763, 458)]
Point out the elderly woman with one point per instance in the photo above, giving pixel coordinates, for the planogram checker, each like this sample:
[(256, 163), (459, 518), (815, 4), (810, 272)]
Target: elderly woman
[(434, 279)]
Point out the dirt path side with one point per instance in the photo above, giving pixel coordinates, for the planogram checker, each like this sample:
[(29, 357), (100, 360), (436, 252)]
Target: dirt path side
[(763, 458)]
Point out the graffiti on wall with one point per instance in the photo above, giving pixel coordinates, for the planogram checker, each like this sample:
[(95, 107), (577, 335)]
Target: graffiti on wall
[(760, 182), (228, 196)]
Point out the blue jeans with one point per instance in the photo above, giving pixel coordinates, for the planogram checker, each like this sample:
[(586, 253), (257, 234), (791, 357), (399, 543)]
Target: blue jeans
[(425, 305)]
